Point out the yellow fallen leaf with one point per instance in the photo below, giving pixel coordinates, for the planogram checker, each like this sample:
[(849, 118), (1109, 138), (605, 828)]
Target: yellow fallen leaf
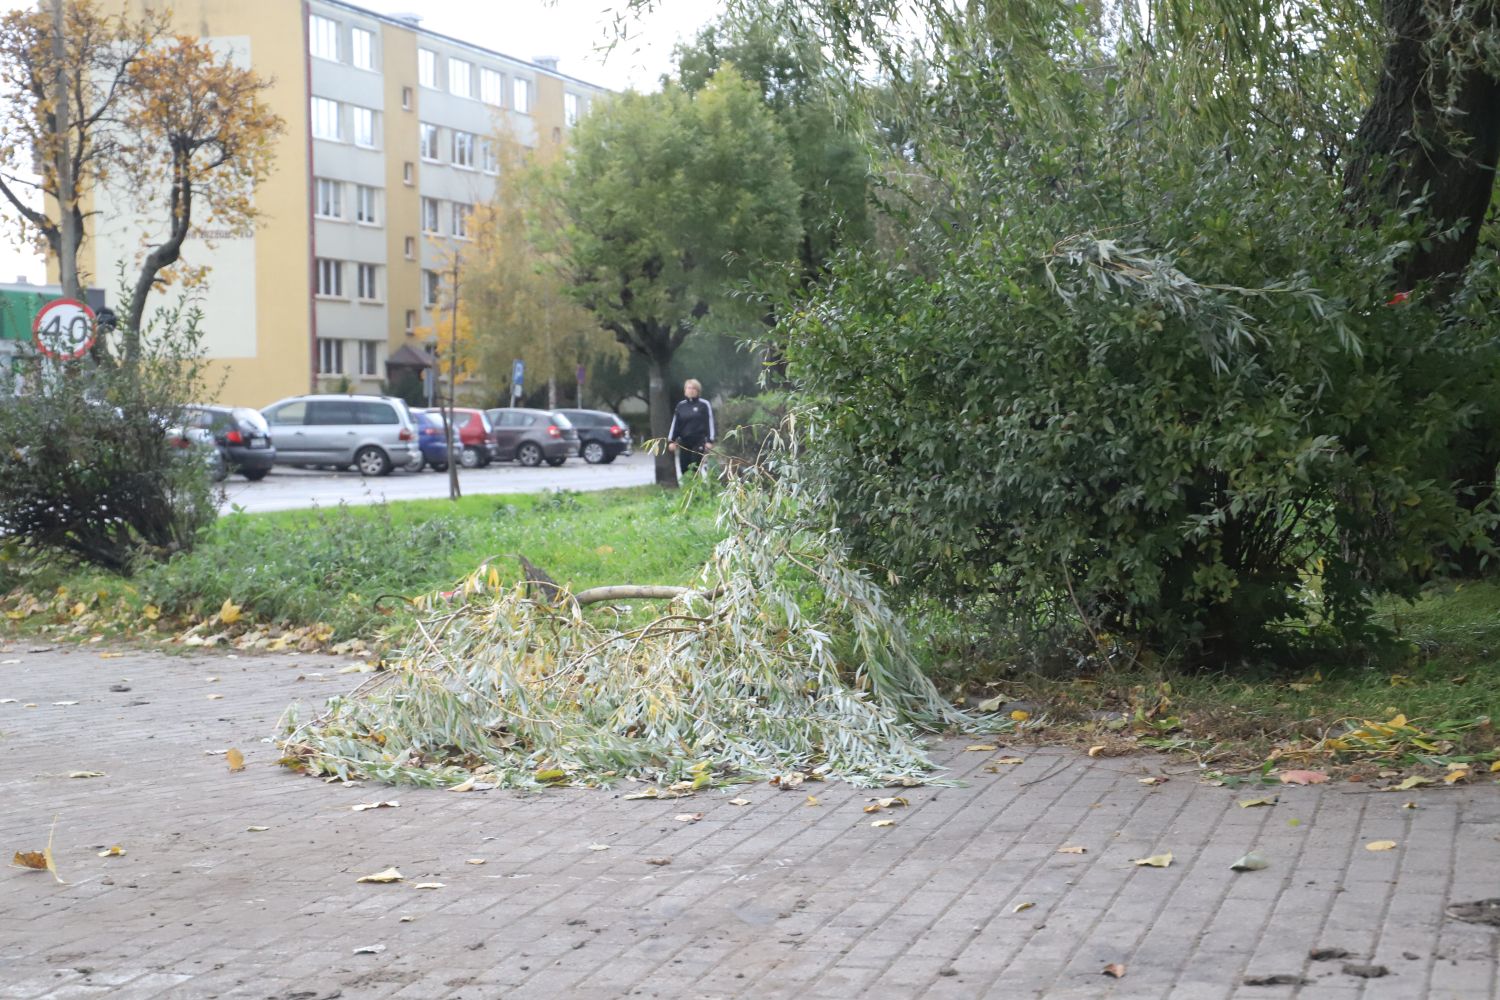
[(647, 793), (1456, 775), (1269, 800), (235, 760), (1155, 861), (1380, 845), (467, 785), (1020, 716), (1008, 760), (1408, 805), (35, 860), (812, 800), (1152, 780), (229, 612), (1021, 906), (113, 852), (981, 748), (151, 612), (1072, 849), (1096, 751), (1414, 781), (884, 822), (476, 861), (389, 875), (1495, 767)]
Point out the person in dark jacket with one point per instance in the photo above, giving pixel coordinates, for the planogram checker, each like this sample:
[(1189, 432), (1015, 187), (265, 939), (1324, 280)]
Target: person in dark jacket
[(692, 432)]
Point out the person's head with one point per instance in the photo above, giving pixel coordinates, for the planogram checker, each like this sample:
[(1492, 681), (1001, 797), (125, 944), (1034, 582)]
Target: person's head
[(691, 388)]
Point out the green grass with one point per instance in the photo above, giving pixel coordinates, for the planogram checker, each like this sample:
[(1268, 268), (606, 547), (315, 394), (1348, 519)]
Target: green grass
[(328, 566)]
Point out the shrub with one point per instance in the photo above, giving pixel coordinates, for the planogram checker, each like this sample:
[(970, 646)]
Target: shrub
[(86, 467)]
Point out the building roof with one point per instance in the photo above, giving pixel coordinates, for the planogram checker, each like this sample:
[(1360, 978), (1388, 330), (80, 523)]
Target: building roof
[(410, 357)]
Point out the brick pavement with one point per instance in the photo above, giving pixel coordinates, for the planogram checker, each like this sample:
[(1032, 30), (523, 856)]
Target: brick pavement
[(775, 899)]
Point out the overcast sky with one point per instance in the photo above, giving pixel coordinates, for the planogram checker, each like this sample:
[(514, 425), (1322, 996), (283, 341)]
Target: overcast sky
[(575, 32)]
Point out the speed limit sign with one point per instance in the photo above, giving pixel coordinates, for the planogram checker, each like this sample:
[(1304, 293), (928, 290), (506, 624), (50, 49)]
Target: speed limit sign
[(64, 329)]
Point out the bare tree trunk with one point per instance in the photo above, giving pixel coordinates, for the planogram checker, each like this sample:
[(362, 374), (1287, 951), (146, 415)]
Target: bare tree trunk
[(1408, 146), (70, 235), (660, 404)]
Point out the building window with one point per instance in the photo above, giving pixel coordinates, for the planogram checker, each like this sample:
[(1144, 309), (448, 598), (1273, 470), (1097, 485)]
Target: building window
[(330, 277), (369, 357), (364, 127), (411, 322), (431, 281), (323, 37), (411, 248), (406, 98), (325, 119), (362, 48), (491, 87), (521, 96), (429, 215), (488, 161), (461, 213), (427, 68), (408, 173), (365, 280), (328, 199), (463, 149), (365, 200), (330, 357), (429, 142), (570, 109), (460, 78)]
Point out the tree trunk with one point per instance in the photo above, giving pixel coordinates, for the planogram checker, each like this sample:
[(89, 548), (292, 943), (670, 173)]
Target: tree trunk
[(1407, 146), (70, 220), (661, 418)]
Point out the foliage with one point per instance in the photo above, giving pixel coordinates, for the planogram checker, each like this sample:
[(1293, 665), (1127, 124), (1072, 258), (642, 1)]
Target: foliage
[(1148, 372), (87, 469), (785, 660), (668, 203), (749, 425)]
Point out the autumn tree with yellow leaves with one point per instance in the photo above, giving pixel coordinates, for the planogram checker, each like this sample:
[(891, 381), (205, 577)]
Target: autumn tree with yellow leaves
[(90, 99)]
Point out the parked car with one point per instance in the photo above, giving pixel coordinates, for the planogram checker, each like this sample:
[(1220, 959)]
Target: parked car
[(200, 442), (532, 436), (375, 434), (433, 446), (602, 437), (476, 437), (241, 435)]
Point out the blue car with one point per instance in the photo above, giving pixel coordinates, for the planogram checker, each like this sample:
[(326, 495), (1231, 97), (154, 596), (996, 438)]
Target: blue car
[(430, 439)]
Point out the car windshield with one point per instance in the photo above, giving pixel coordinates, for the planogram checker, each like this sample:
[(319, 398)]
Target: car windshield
[(250, 418), (562, 421)]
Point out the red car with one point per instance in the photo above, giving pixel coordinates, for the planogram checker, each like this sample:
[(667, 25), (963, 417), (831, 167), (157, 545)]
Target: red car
[(475, 437)]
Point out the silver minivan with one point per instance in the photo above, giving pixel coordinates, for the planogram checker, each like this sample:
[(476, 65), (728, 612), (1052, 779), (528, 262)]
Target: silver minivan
[(375, 434)]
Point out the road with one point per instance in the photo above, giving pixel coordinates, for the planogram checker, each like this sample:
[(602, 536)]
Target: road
[(290, 489)]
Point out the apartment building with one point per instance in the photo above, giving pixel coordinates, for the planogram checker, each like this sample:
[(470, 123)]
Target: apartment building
[(390, 143)]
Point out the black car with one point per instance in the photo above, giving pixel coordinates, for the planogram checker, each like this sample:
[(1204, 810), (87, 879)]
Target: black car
[(241, 435), (602, 437)]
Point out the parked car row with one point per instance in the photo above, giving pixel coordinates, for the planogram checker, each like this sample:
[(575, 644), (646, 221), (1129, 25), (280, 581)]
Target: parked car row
[(378, 434)]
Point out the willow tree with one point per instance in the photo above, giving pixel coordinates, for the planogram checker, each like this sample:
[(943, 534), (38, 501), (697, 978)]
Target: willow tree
[(670, 205)]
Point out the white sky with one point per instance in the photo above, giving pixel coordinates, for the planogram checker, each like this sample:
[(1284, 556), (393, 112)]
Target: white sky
[(576, 32)]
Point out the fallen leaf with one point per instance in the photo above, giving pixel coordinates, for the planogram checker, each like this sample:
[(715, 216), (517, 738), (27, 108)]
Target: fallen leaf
[(1380, 845), (1495, 767), (1154, 780), (1072, 849), (1415, 781), (467, 785), (35, 860), (1019, 716), (1457, 774), (1408, 805), (7, 701), (1277, 979), (1114, 970), (65, 703), (1303, 777), (991, 704), (215, 697), (370, 949), (692, 817), (739, 802), (1251, 862), (981, 748), (476, 861), (1021, 906), (392, 804), (113, 852), (658, 861), (893, 802), (1008, 760), (551, 775), (812, 800), (1155, 861), (1096, 751), (786, 782), (646, 793), (884, 822), (598, 847), (1365, 971), (407, 919), (1327, 954), (1269, 800), (389, 875), (429, 885), (256, 829), (229, 612), (85, 774), (151, 612), (235, 760), (904, 781)]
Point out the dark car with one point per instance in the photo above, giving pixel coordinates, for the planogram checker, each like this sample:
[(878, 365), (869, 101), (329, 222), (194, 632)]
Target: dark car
[(602, 437), (430, 439), (531, 436), (241, 435)]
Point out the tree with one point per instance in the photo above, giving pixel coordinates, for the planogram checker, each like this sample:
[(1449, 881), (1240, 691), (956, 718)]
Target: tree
[(97, 101), (670, 203)]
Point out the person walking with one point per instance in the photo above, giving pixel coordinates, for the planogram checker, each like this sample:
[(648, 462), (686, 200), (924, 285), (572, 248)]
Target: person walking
[(692, 432)]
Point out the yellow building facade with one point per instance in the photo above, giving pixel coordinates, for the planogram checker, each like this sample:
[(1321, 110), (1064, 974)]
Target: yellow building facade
[(390, 143)]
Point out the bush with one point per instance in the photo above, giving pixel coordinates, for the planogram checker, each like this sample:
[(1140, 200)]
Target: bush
[(746, 425), (86, 468)]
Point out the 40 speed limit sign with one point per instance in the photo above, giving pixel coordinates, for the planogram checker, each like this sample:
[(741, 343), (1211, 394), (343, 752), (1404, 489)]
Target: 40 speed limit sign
[(64, 329)]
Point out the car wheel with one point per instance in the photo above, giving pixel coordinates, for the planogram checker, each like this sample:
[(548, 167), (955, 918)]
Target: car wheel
[(415, 464), (254, 475), (555, 462), (593, 453), (610, 458), (438, 466), (529, 454), (371, 461), (219, 468), (468, 458)]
